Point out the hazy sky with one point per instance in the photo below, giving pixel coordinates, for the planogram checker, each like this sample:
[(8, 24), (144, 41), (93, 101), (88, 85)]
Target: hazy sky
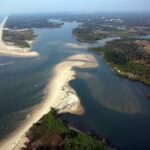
[(18, 6)]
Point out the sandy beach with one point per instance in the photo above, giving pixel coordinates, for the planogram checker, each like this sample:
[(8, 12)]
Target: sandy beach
[(58, 95), (8, 50), (77, 46)]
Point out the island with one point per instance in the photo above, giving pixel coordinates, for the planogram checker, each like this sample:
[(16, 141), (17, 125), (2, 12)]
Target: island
[(13, 50), (96, 28), (21, 38), (17, 34), (52, 133), (43, 129), (129, 55), (32, 21)]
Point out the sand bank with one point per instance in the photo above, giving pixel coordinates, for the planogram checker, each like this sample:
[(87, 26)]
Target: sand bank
[(8, 50), (58, 94), (76, 46)]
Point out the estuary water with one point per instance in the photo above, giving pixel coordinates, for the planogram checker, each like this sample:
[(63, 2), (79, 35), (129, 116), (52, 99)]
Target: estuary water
[(115, 108)]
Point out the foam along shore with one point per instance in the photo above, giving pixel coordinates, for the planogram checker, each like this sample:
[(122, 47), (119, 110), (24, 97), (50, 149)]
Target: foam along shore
[(9, 50), (58, 95)]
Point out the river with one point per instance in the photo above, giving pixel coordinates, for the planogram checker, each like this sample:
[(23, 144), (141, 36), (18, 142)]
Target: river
[(115, 107)]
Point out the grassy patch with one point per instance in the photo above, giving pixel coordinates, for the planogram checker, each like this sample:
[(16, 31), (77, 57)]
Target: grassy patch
[(127, 59), (52, 133)]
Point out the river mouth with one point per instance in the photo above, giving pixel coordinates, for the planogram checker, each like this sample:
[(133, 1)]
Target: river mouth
[(115, 108)]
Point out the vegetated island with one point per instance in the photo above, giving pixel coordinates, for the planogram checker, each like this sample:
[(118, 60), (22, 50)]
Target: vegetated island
[(52, 133), (129, 58), (19, 37), (17, 34), (11, 49), (100, 27)]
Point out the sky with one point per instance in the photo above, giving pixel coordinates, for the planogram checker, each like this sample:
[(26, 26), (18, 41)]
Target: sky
[(36, 6)]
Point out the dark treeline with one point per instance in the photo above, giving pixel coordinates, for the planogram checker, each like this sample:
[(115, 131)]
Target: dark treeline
[(129, 58), (19, 38)]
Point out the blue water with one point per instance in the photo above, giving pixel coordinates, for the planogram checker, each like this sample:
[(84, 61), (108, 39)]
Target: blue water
[(23, 80), (115, 108)]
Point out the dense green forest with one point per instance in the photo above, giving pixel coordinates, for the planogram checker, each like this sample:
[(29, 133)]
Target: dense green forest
[(128, 59), (88, 34), (52, 133), (19, 38)]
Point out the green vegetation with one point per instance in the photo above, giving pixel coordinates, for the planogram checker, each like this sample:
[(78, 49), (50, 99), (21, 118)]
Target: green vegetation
[(149, 95), (31, 21), (128, 59), (20, 28), (88, 34), (52, 133), (93, 29), (19, 38), (83, 141)]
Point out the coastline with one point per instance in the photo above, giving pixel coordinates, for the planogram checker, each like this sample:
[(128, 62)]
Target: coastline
[(116, 69), (58, 95), (127, 75), (8, 50)]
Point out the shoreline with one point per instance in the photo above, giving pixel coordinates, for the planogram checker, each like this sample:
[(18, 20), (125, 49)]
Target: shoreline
[(8, 50), (58, 95), (126, 75), (117, 70)]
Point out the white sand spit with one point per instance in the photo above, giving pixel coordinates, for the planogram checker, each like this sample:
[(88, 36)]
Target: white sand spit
[(58, 94), (8, 50)]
